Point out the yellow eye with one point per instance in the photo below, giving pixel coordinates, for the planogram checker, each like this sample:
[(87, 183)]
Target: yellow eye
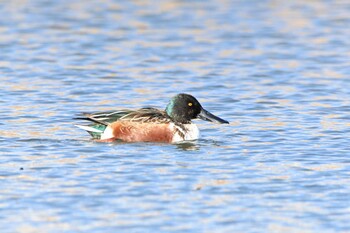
[(190, 104)]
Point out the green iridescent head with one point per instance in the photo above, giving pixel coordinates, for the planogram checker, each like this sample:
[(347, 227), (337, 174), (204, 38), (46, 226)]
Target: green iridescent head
[(182, 108)]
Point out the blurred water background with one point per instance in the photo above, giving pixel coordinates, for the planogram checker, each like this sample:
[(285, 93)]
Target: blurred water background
[(277, 70)]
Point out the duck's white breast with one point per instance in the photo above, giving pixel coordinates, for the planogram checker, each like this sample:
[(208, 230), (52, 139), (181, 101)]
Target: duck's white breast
[(190, 131)]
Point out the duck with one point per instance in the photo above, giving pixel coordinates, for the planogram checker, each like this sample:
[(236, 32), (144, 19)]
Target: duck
[(172, 125)]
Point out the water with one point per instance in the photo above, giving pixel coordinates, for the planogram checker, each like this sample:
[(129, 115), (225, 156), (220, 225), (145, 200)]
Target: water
[(277, 70)]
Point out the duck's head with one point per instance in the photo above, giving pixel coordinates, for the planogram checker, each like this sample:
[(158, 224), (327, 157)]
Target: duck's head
[(183, 108)]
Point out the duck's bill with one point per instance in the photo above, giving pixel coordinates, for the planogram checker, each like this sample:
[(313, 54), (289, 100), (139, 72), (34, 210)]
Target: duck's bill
[(207, 116)]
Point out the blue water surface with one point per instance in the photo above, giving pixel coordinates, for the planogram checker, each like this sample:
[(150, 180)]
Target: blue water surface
[(277, 70)]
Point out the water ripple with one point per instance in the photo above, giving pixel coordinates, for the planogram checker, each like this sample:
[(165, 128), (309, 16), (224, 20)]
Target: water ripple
[(277, 71)]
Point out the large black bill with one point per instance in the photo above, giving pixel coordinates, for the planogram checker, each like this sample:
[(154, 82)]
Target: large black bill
[(207, 116)]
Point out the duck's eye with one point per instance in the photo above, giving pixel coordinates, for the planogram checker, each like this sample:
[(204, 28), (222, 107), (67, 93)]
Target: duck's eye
[(190, 104)]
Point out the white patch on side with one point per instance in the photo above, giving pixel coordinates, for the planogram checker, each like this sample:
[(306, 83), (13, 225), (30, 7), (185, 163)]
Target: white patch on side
[(107, 134), (88, 128), (191, 132)]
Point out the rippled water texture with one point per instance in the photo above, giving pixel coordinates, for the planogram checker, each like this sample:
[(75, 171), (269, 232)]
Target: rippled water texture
[(277, 70)]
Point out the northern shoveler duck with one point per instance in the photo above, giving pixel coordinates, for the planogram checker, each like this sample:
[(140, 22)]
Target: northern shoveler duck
[(149, 124)]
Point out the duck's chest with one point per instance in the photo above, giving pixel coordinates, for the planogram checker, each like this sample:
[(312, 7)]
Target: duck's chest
[(184, 132)]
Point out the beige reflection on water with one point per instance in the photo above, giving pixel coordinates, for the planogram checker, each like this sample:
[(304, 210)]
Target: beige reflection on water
[(291, 17)]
